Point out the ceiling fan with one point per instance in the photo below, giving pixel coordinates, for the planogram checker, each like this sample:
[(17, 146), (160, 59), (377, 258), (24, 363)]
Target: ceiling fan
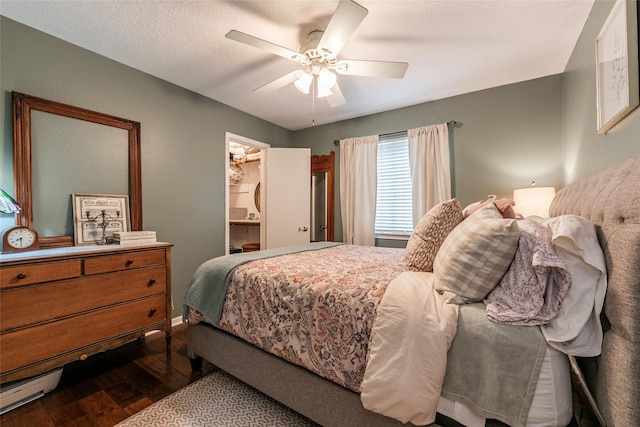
[(318, 57)]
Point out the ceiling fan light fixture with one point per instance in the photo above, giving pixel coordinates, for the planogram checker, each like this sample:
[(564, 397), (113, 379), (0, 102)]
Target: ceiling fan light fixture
[(303, 83), (324, 91), (326, 79), (318, 57)]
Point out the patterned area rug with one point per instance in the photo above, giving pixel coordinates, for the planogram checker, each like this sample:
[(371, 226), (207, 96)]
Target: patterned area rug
[(216, 400)]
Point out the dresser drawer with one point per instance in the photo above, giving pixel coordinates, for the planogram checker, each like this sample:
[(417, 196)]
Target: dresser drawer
[(37, 273), (35, 304), (26, 346), (118, 262)]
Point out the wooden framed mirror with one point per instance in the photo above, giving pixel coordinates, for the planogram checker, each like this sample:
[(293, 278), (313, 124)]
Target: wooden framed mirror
[(104, 148), (323, 173)]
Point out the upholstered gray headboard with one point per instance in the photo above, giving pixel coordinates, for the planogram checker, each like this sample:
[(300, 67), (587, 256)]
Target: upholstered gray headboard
[(611, 200)]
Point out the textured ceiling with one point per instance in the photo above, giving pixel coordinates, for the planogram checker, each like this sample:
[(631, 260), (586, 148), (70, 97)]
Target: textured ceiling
[(452, 47)]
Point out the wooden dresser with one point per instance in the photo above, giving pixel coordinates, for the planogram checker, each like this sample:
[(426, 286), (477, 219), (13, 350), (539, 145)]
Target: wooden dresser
[(65, 304)]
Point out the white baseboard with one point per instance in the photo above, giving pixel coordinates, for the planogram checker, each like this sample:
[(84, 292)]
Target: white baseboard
[(176, 321)]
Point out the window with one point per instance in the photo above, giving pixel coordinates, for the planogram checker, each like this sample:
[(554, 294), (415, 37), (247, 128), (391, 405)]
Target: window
[(393, 203)]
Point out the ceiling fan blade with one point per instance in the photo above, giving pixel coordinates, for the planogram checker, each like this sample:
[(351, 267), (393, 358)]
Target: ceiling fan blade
[(279, 83), (343, 23), (336, 98), (262, 44), (394, 70)]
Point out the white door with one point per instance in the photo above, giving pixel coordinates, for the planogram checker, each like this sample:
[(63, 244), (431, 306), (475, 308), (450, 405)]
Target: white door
[(287, 217)]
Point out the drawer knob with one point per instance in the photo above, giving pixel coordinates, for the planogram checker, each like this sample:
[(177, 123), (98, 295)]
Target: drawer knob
[(151, 282), (84, 357), (129, 262), (21, 276), (152, 312)]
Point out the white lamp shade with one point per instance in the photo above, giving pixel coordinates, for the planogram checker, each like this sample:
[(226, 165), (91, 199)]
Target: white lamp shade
[(326, 80), (533, 201), (324, 91), (304, 82)]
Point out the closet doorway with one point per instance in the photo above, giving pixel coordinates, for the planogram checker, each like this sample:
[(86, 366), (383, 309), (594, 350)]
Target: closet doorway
[(244, 193), (267, 195)]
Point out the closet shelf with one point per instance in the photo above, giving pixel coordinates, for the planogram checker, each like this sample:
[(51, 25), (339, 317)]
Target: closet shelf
[(239, 162), (245, 222)]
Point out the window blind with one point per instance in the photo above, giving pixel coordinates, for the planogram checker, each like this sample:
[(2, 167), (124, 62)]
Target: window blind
[(393, 202)]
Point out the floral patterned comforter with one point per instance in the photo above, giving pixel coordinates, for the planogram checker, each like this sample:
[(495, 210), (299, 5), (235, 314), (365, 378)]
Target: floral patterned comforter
[(315, 309)]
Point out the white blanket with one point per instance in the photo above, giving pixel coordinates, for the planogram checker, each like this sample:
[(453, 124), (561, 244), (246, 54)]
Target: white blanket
[(413, 325), (577, 330)]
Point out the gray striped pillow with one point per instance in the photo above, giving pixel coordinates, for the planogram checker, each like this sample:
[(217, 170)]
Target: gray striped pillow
[(475, 255)]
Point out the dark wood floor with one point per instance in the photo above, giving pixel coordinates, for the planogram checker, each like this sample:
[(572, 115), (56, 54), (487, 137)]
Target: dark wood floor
[(109, 387)]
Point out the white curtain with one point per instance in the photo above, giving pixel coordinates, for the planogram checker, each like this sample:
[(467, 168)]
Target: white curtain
[(430, 168), (358, 186)]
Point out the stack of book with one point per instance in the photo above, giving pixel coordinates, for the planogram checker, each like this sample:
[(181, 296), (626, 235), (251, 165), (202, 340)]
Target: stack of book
[(134, 237)]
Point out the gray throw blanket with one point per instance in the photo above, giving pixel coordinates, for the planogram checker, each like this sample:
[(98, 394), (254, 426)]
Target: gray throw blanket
[(482, 354), (208, 299)]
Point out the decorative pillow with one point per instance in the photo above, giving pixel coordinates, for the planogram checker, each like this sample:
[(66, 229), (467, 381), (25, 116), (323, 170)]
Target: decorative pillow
[(429, 234), (475, 255), (505, 206), (473, 207)]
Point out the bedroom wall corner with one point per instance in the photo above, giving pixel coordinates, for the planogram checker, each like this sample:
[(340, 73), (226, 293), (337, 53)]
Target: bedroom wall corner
[(584, 151)]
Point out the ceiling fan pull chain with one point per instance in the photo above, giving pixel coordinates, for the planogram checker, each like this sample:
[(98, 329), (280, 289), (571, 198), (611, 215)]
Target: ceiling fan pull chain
[(313, 102)]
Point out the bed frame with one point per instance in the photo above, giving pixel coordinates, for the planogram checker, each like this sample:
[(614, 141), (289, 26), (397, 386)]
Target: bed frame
[(610, 199)]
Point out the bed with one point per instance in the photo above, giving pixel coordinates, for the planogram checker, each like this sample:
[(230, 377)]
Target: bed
[(304, 377)]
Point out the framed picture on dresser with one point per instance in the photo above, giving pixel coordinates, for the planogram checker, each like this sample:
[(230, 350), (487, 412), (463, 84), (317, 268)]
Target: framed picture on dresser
[(97, 216)]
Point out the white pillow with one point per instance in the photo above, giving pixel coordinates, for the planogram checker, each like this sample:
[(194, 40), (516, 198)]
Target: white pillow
[(576, 330)]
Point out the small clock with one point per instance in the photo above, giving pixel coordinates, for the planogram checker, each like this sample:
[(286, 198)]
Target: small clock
[(20, 238)]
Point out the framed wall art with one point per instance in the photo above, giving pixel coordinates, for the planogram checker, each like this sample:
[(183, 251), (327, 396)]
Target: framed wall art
[(618, 91), (97, 216)]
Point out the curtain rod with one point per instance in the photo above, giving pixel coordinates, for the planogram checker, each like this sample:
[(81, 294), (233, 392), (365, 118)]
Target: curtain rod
[(449, 123)]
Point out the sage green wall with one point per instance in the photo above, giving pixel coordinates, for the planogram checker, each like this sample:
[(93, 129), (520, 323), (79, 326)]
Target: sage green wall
[(508, 137), (541, 130), (584, 150), (182, 133)]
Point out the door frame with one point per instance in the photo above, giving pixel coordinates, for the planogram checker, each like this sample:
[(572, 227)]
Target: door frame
[(263, 188), (326, 164)]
